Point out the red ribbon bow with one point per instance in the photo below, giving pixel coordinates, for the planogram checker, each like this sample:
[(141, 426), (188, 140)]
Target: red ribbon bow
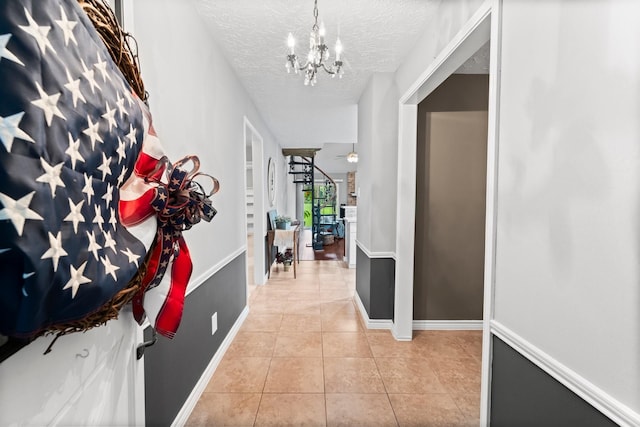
[(178, 205)]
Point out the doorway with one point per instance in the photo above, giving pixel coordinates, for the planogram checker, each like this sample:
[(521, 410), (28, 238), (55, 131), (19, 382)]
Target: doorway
[(482, 27), (254, 205), (451, 156)]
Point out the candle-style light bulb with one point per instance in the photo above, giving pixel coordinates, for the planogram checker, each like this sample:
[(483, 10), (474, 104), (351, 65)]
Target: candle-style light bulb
[(338, 49), (322, 32), (291, 42)]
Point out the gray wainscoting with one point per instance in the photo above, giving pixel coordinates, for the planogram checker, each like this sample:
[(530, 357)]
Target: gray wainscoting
[(524, 395), (173, 367), (375, 284)]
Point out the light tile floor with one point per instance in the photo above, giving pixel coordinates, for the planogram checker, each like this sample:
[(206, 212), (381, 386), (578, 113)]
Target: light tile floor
[(304, 358)]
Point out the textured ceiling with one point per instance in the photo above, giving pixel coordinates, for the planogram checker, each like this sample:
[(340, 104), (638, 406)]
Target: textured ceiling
[(376, 35)]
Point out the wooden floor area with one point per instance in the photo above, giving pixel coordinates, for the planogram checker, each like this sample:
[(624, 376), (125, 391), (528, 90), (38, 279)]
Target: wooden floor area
[(332, 252)]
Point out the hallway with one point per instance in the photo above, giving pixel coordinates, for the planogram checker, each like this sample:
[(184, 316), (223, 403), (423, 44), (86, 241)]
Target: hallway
[(330, 252), (303, 358)]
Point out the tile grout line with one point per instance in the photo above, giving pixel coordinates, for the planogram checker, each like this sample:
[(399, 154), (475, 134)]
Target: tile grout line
[(324, 381), (384, 384)]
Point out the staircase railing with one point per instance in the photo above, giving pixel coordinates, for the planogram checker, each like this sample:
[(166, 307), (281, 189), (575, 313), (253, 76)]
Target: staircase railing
[(323, 223), (307, 176), (327, 178)]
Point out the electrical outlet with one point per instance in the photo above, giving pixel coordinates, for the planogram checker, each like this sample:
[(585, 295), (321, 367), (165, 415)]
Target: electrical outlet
[(214, 323)]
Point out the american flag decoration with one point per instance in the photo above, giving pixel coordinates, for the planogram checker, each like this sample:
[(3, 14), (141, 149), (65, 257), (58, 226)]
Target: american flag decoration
[(87, 196)]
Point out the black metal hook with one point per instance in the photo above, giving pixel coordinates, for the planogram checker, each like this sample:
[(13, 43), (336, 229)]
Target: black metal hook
[(140, 349), (84, 355)]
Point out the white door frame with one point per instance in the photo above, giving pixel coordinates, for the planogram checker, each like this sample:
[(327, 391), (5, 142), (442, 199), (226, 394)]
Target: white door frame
[(483, 26), (136, 368), (259, 213)]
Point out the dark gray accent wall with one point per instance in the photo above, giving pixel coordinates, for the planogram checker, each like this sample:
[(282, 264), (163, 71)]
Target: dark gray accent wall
[(274, 251), (524, 395), (173, 367), (375, 284), (363, 279)]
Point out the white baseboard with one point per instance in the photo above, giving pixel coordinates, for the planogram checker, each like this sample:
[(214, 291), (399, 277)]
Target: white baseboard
[(447, 325), (371, 323), (596, 397), (194, 396), (418, 325)]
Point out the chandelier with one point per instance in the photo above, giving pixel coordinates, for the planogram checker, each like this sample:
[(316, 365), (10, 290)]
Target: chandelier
[(318, 54)]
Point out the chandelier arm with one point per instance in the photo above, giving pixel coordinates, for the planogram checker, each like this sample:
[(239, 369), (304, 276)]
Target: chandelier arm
[(303, 67), (327, 70)]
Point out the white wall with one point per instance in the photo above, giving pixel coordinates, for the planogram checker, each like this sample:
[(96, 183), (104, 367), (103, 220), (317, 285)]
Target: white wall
[(342, 128), (198, 105), (445, 24), (385, 164), (568, 243), (377, 164), (341, 180), (378, 127), (364, 183)]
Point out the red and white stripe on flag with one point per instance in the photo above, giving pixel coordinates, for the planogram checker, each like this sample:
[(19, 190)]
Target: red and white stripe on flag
[(164, 303)]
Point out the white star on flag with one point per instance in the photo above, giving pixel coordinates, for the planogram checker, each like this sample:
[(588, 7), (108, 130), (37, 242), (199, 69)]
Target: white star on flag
[(38, 32), (127, 95), (49, 104), (67, 27), (121, 177), (93, 247), (109, 242), (105, 166), (93, 132), (75, 214), (133, 258), (73, 86), (74, 151), (113, 221), (120, 106), (110, 268), (6, 53), (122, 154), (51, 175), (56, 251), (88, 74), (131, 136), (98, 219), (110, 117), (108, 195), (76, 279), (88, 187), (9, 130), (102, 67), (18, 210)]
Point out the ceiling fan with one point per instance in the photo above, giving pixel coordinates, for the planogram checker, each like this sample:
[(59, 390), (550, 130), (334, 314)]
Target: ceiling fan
[(352, 157)]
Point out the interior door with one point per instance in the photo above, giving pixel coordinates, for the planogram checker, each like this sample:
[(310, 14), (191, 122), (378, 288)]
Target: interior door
[(90, 378)]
